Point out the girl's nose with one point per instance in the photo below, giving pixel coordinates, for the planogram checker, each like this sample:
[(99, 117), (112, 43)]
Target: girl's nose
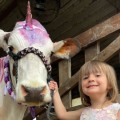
[(91, 78)]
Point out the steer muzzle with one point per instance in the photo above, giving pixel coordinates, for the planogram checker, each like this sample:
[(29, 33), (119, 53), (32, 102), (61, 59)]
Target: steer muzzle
[(33, 94)]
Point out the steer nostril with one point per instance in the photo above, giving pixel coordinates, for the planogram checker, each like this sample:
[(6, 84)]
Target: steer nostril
[(43, 90), (29, 91), (24, 90)]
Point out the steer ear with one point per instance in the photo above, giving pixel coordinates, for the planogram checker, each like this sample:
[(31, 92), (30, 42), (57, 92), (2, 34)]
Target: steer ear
[(66, 49), (4, 39)]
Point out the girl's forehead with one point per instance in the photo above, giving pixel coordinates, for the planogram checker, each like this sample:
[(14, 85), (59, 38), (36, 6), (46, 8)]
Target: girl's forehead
[(92, 72), (92, 69)]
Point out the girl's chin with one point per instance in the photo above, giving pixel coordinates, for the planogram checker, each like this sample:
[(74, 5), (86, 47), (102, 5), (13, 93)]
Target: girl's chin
[(91, 93)]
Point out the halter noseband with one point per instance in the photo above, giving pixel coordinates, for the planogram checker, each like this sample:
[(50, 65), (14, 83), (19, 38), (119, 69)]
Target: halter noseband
[(26, 51)]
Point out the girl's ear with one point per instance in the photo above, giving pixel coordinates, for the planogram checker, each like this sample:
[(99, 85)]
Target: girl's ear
[(109, 87)]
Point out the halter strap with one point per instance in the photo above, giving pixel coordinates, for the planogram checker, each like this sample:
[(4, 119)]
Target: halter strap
[(8, 87), (26, 51)]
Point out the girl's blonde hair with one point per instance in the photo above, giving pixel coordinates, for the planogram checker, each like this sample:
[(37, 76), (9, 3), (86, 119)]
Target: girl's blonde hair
[(98, 66)]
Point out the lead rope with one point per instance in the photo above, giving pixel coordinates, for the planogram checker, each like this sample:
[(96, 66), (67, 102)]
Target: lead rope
[(50, 106), (32, 111)]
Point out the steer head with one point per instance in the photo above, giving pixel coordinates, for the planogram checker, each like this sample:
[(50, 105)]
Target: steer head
[(29, 72)]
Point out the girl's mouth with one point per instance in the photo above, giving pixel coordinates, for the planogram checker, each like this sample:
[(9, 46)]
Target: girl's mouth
[(91, 86)]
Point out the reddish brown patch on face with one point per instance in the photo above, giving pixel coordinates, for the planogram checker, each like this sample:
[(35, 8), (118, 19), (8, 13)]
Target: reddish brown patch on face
[(69, 48)]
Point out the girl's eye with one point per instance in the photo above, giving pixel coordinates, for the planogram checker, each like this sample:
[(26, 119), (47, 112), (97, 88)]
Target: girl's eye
[(86, 77), (98, 75)]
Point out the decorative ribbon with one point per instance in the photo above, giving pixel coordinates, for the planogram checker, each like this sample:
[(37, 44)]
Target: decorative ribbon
[(8, 87)]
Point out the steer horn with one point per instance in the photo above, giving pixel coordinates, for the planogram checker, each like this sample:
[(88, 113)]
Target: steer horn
[(28, 24)]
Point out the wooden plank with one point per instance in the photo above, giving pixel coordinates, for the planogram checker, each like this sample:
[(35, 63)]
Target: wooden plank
[(94, 9), (82, 20), (99, 31), (98, 17), (115, 3), (65, 13), (91, 52), (64, 75), (66, 86), (69, 17), (109, 51)]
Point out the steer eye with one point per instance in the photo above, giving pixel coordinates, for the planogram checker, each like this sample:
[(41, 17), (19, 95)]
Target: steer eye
[(11, 48), (51, 53)]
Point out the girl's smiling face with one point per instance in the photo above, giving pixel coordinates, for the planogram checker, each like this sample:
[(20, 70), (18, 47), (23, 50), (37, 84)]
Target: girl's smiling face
[(94, 83), (97, 79)]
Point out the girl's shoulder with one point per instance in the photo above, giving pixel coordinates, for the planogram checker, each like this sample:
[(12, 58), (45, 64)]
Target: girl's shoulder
[(115, 106), (80, 111), (112, 106)]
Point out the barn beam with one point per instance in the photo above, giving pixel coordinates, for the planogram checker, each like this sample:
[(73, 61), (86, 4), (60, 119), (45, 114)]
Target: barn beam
[(98, 32), (109, 52)]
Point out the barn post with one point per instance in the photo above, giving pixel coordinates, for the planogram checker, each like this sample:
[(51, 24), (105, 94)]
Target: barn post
[(64, 75), (92, 51)]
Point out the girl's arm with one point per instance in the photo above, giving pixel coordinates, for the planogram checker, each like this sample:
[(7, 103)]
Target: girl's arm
[(60, 110), (118, 115)]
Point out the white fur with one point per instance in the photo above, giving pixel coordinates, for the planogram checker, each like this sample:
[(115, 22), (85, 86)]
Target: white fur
[(10, 109)]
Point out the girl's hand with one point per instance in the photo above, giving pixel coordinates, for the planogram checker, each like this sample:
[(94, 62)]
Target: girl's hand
[(53, 85)]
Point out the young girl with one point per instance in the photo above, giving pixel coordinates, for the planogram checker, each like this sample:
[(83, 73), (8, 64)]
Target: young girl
[(98, 91)]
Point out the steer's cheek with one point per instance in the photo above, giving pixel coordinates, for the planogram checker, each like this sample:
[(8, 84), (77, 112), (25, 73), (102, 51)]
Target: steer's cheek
[(47, 98), (43, 91), (19, 96)]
